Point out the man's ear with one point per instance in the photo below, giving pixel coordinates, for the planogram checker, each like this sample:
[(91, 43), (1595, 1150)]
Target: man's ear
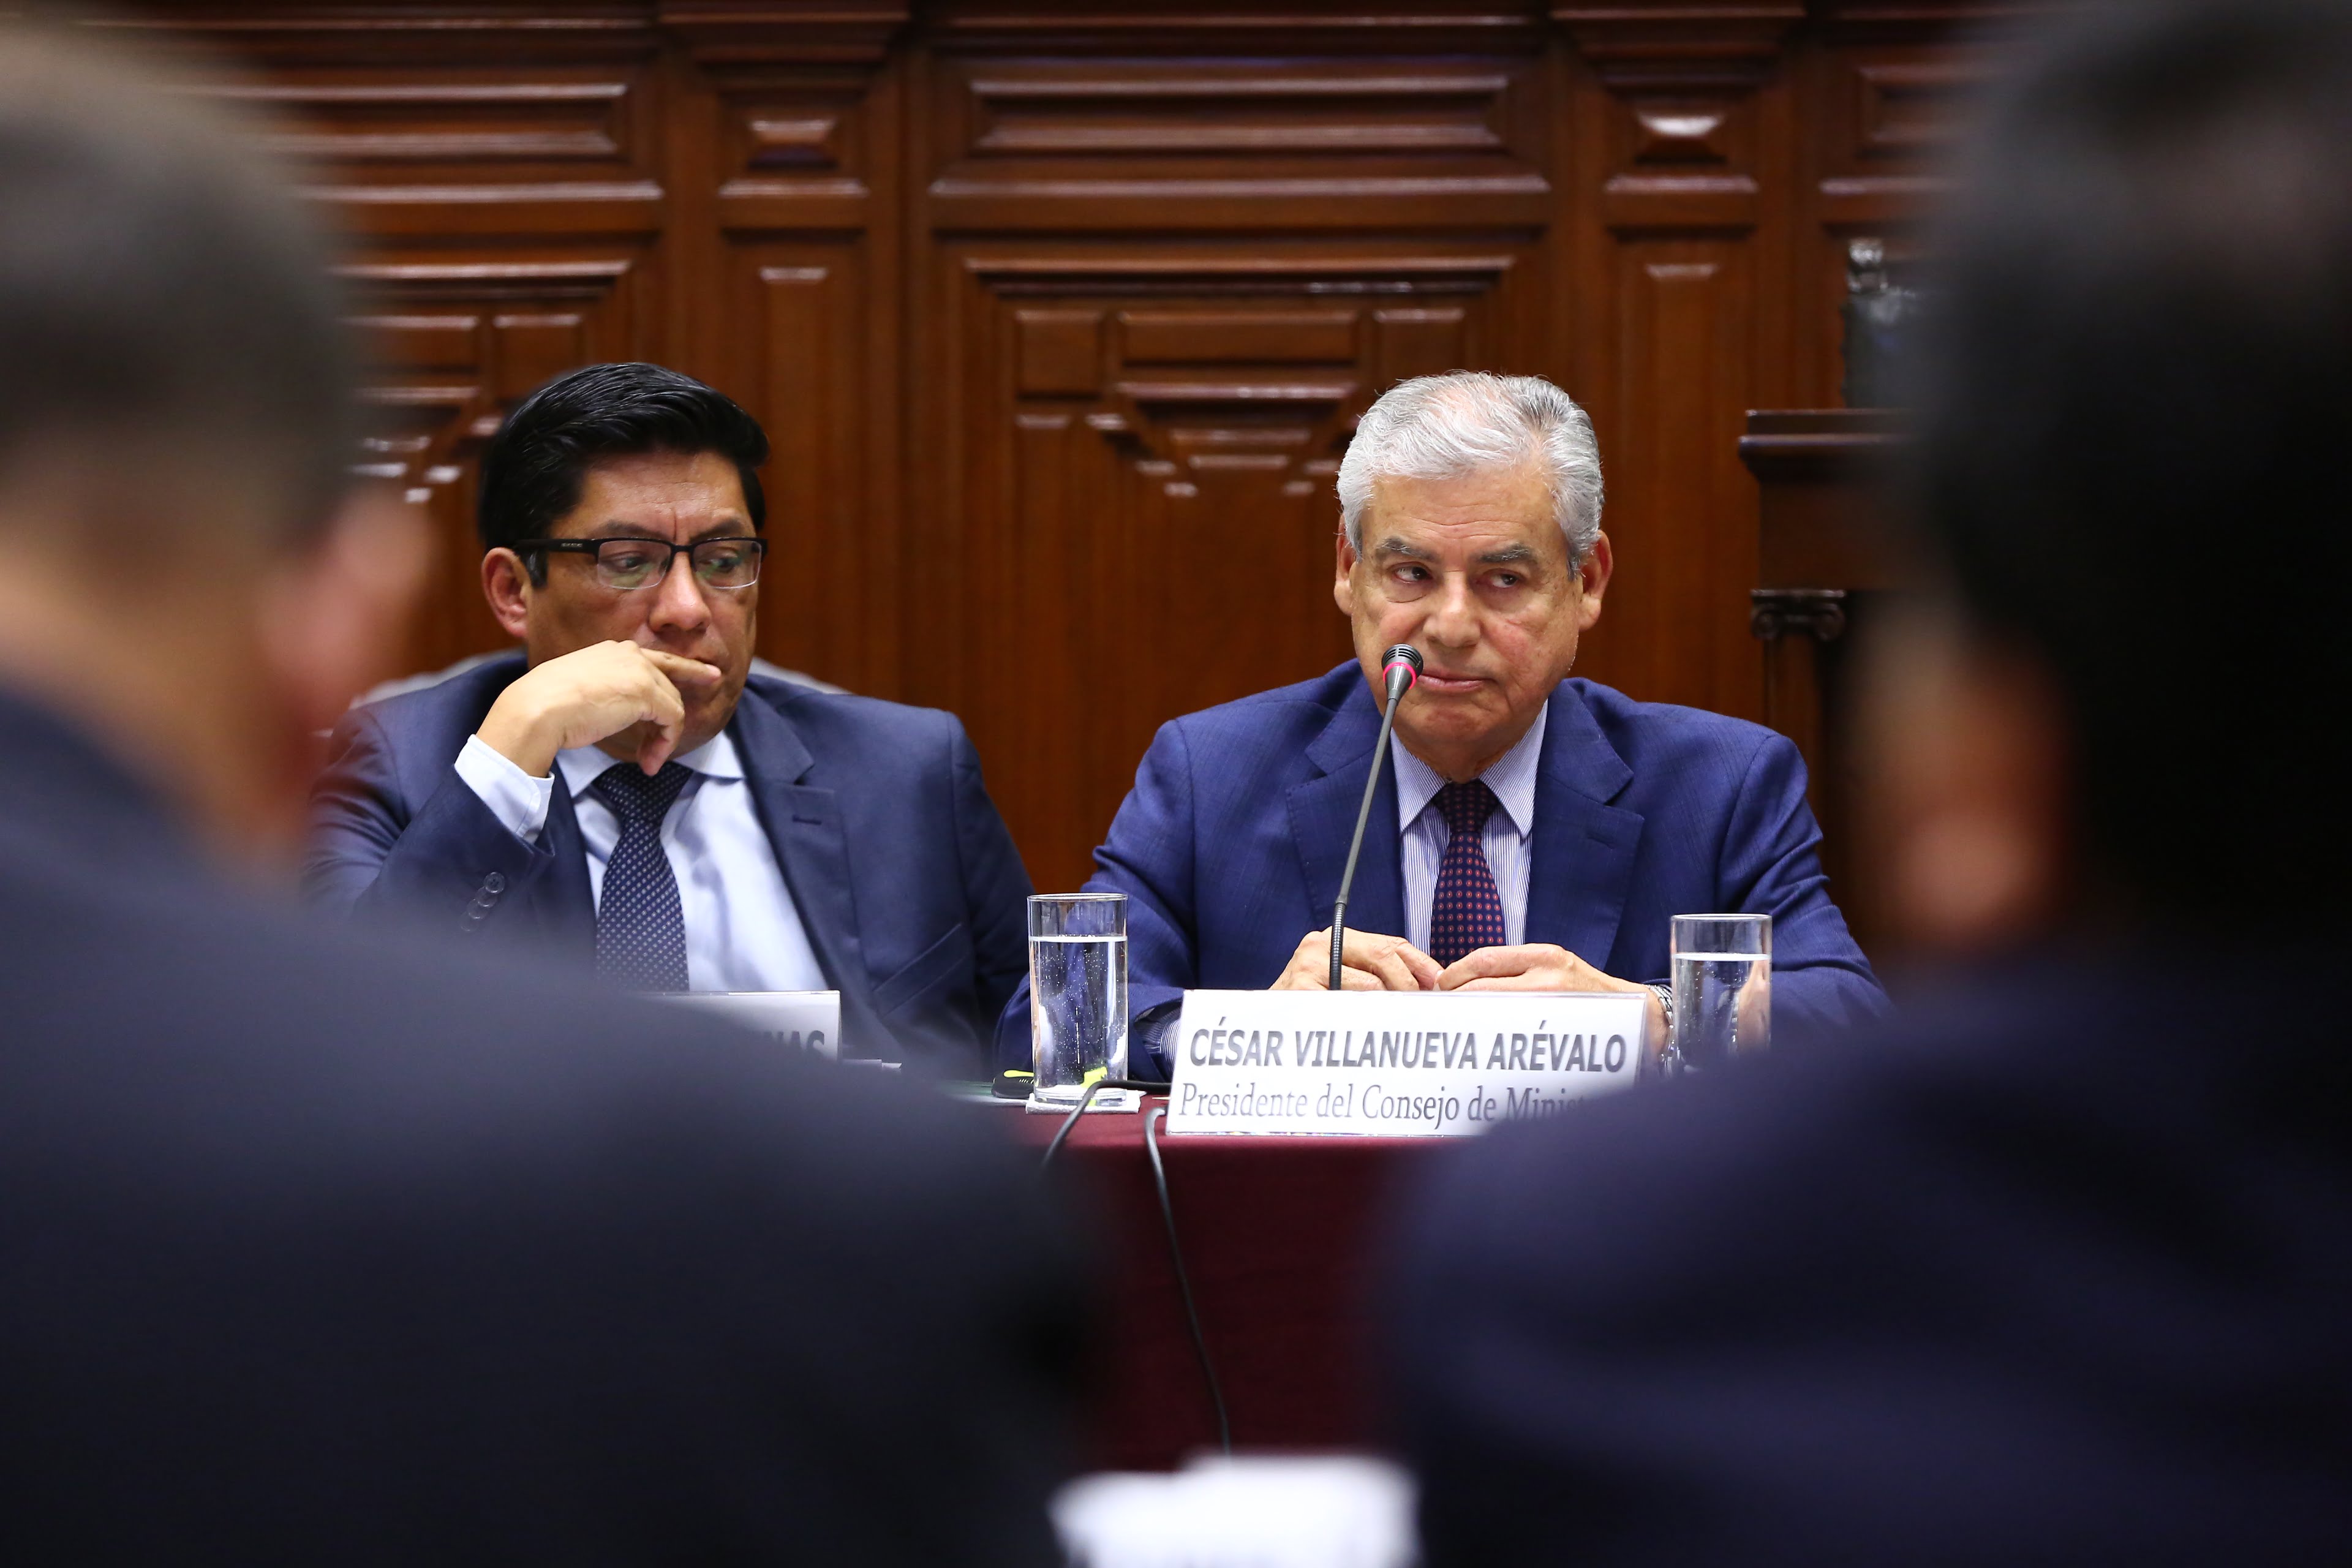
[(1969, 804), (1594, 573), (1343, 586), (334, 615), (506, 584)]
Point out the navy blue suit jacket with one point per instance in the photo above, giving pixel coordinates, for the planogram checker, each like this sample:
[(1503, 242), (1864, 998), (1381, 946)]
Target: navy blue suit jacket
[(2056, 1269), (905, 879), (1231, 846), (314, 1250)]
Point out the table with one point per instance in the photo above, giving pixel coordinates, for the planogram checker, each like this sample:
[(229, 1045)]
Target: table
[(1281, 1239)]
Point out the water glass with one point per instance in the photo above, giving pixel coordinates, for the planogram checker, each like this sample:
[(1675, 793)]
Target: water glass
[(1077, 990), (1723, 988)]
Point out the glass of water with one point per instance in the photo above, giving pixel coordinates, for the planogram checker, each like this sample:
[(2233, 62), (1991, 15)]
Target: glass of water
[(1723, 988), (1077, 990)]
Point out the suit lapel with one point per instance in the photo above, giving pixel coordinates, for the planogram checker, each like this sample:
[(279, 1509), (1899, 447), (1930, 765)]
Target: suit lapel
[(1323, 817), (569, 911), (1582, 849), (812, 845)]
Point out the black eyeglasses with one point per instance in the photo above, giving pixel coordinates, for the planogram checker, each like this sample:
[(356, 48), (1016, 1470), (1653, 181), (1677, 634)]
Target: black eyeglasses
[(627, 563)]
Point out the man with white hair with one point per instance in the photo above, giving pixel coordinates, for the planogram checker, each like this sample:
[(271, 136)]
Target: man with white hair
[(1528, 832)]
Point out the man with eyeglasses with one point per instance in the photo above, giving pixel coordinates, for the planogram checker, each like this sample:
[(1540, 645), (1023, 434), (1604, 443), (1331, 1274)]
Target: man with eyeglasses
[(627, 794)]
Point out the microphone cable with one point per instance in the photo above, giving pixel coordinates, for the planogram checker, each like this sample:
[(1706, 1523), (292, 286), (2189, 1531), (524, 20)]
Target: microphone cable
[(1152, 1120), (1079, 1109)]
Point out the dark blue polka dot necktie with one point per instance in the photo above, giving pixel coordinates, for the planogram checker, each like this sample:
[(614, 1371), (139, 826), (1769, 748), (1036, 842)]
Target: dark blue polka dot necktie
[(640, 927), (1466, 913)]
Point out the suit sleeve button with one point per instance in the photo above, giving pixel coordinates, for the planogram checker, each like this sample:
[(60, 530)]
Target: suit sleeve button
[(495, 883)]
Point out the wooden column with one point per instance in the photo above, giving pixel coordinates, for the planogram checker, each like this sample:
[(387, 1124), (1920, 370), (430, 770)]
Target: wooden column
[(1827, 560)]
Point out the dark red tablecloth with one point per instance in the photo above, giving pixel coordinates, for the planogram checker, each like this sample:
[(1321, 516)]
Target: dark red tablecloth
[(1280, 1237)]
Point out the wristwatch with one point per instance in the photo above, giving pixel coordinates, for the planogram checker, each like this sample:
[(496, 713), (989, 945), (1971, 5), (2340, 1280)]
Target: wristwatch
[(1666, 995)]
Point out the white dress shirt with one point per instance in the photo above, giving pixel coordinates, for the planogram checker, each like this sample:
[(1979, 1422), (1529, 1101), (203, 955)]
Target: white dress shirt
[(742, 931), (1425, 835)]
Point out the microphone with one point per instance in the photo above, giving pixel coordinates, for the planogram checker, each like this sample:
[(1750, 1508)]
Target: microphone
[(1400, 668)]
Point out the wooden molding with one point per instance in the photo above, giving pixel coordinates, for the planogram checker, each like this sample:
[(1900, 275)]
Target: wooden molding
[(457, 343), (1924, 16), (1143, 142), (1107, 25), (1666, 44), (1700, 43), (1820, 443), (1817, 613), (784, 32)]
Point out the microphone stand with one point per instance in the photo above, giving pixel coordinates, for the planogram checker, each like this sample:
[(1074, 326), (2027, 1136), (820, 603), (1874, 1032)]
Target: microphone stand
[(1404, 668)]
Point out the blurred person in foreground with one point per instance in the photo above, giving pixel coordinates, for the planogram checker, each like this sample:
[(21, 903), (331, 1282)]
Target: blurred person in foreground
[(2057, 1270), (1529, 831), (317, 1253), (714, 830)]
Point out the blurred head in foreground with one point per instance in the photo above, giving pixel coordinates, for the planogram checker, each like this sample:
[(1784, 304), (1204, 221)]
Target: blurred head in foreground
[(185, 573), (315, 1249), (2134, 482), (2052, 1271)]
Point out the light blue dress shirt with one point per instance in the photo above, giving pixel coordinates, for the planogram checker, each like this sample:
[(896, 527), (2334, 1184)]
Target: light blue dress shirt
[(1424, 834), (742, 931)]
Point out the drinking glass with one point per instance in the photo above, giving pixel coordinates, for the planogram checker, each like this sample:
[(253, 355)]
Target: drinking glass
[(1077, 990), (1723, 988)]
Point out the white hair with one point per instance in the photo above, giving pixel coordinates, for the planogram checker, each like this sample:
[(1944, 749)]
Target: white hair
[(1443, 426)]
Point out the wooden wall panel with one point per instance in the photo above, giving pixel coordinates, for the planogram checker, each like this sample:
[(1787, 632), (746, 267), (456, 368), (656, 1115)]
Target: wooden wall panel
[(1141, 522), (1884, 103), (1221, 130), (802, 317), (1683, 134), (1060, 314), (458, 343), (1685, 371)]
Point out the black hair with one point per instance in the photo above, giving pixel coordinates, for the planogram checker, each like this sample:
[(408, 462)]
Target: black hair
[(533, 467), (2137, 416), (156, 280)]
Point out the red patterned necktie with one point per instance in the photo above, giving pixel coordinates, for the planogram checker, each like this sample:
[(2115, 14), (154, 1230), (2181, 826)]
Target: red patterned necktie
[(1467, 912)]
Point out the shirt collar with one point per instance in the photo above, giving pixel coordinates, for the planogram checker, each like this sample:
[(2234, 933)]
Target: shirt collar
[(1512, 778), (714, 759)]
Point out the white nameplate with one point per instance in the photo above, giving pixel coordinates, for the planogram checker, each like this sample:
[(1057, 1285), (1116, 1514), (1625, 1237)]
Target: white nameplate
[(1396, 1064), (808, 1021)]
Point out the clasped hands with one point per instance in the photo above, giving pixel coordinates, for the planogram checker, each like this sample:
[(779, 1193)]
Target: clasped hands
[(1371, 961)]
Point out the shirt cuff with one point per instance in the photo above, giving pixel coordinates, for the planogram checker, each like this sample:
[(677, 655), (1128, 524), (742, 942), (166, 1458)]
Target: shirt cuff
[(514, 797)]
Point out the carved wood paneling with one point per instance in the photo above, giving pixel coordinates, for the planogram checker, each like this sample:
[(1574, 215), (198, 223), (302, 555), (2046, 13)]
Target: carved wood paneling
[(1889, 95), (456, 344), (1685, 114), (831, 598), (800, 179), (1141, 518), (1059, 313), (1152, 142), (1686, 367)]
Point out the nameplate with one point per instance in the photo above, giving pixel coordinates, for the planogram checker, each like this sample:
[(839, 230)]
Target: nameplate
[(1396, 1064), (803, 1021)]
